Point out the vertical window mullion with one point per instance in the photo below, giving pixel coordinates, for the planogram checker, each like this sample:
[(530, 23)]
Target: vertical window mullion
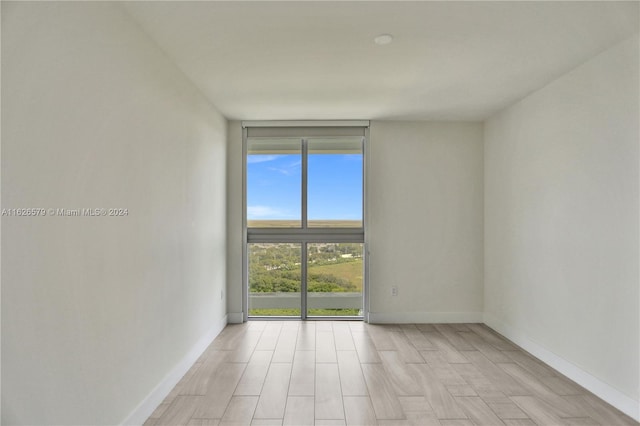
[(304, 183), (303, 284), (303, 272)]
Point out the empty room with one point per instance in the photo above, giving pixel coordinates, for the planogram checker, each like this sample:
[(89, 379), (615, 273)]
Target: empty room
[(320, 213)]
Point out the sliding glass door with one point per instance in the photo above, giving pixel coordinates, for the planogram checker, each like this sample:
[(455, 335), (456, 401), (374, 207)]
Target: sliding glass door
[(304, 215)]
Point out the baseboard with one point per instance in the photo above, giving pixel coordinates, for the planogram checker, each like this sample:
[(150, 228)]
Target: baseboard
[(622, 402), (235, 317), (142, 412), (424, 317)]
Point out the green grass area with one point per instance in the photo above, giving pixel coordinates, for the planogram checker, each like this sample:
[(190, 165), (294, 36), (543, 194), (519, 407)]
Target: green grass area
[(350, 271), (296, 312)]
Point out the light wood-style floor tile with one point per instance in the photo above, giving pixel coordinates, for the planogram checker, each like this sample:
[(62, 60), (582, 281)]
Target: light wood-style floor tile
[(417, 339), (461, 390), (245, 347), (325, 346), (507, 410), (273, 398), (477, 343), (266, 422), (418, 411), (562, 386), (425, 327), (303, 374), (562, 407), (407, 352), (452, 355), (492, 337), (357, 325), (414, 404), (330, 422), (198, 383), (342, 336), (456, 422), (401, 377), (537, 410), (599, 410), (239, 412), (203, 422), (299, 411), (359, 411), (306, 337), (478, 411), (253, 377), (268, 373), (443, 404), (453, 337), (286, 346), (384, 399), (351, 378), (442, 369), (180, 411), (367, 352), (160, 410), (480, 383), (531, 364), (328, 395), (324, 326), (184, 382), (229, 337), (269, 338), (396, 422), (498, 377), (219, 391), (581, 421), (381, 337), (519, 422)]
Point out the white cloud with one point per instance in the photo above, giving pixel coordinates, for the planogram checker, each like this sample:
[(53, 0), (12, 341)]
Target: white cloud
[(280, 170), (289, 169), (252, 159), (262, 211)]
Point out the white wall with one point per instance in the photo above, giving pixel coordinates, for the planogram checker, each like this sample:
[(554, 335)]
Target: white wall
[(425, 212), (561, 223), (97, 310)]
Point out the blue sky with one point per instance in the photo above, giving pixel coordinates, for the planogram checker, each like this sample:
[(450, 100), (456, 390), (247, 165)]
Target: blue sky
[(334, 189)]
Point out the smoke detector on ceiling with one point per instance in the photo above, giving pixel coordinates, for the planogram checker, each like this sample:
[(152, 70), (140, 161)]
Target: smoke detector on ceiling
[(383, 39)]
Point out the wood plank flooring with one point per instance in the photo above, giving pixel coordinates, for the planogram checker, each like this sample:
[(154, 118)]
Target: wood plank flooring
[(352, 373)]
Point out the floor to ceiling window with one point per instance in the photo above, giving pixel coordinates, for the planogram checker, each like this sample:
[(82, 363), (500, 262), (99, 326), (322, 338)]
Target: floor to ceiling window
[(304, 219)]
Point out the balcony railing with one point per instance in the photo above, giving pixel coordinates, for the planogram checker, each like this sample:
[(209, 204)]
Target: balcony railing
[(291, 300)]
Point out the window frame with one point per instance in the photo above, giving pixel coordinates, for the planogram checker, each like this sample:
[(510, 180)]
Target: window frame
[(304, 235)]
